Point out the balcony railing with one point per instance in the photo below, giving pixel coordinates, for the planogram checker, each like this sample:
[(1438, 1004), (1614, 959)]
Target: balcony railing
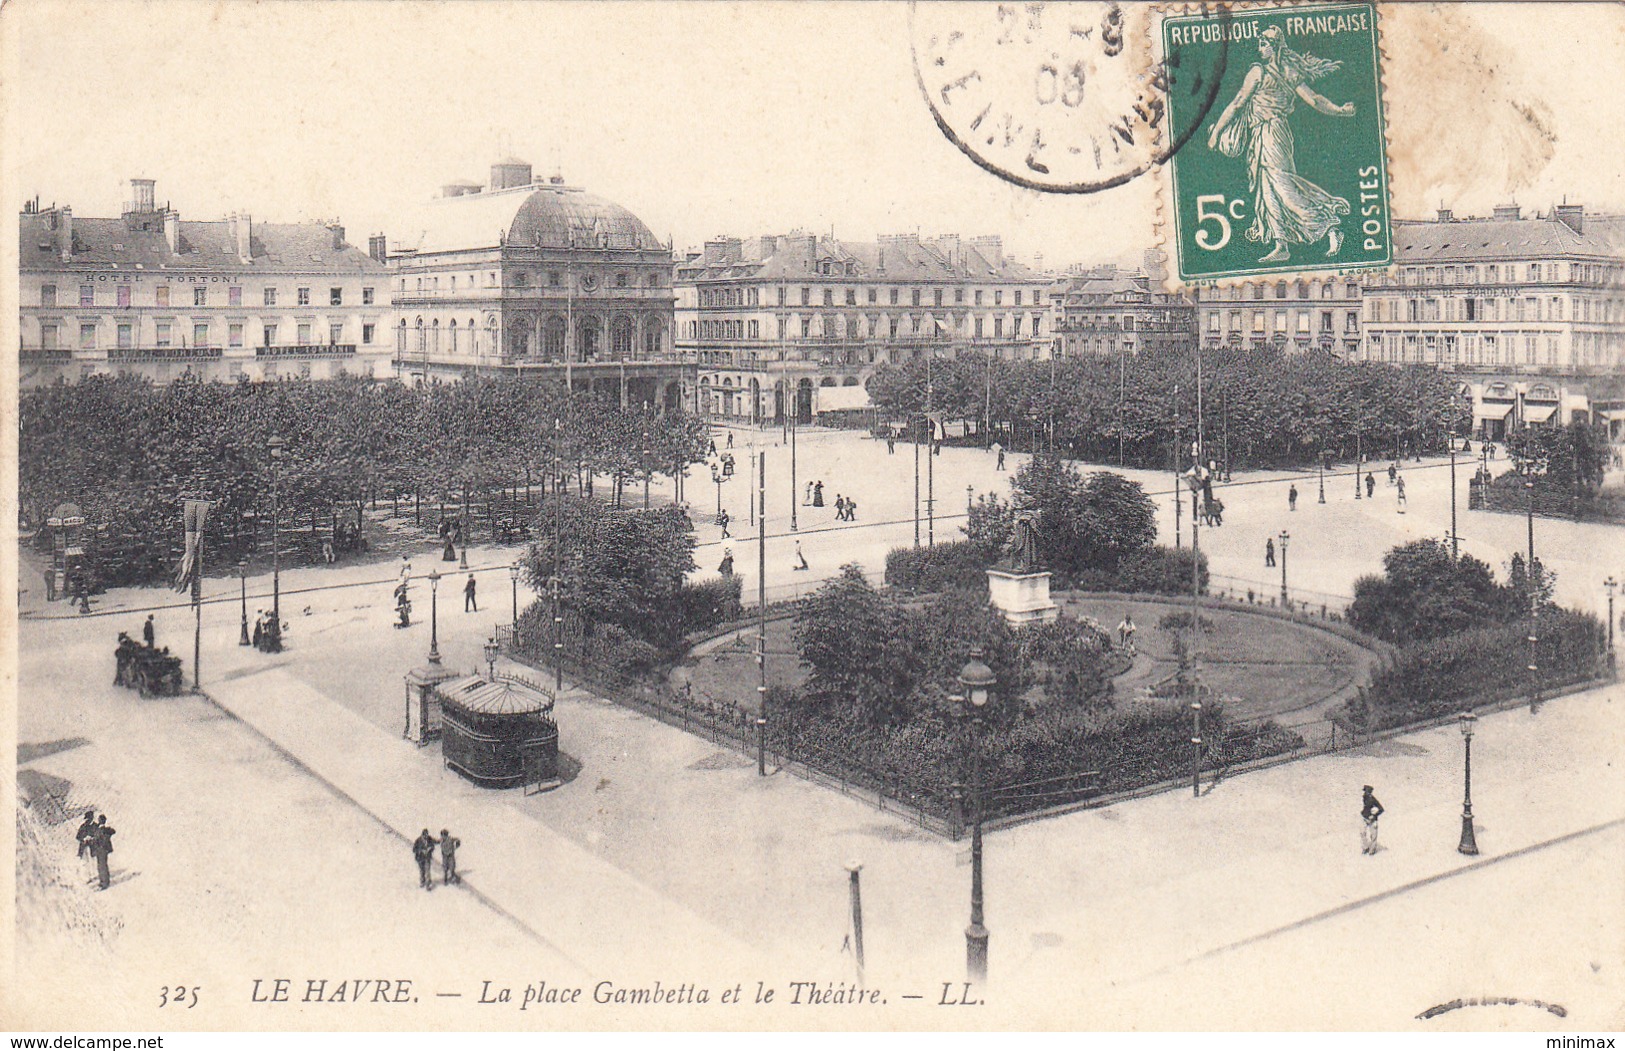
[(45, 355), (163, 353), (306, 350)]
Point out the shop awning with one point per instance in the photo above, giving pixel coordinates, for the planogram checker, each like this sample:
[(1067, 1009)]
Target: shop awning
[(1495, 411), (1537, 413)]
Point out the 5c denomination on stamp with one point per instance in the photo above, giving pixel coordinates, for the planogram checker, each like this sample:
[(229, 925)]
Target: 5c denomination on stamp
[(1289, 172), (1058, 97)]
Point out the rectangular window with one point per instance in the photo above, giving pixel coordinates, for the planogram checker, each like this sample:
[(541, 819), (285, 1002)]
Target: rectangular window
[(1018, 297), (1015, 326), (304, 333), (335, 296), (234, 334), (806, 297), (234, 295), (123, 295), (47, 295), (47, 336), (936, 297), (806, 327), (998, 297), (367, 298), (829, 297), (1037, 323), (784, 325), (894, 297), (978, 325), (126, 336), (87, 295), (851, 297), (160, 295), (163, 334), (270, 335), (874, 295), (894, 320), (200, 295), (302, 297), (335, 334), (87, 335), (200, 334), (915, 297), (368, 331), (270, 296)]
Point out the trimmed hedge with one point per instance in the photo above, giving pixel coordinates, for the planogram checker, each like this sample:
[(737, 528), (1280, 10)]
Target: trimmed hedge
[(957, 564), (1154, 571), (963, 564), (1472, 667)]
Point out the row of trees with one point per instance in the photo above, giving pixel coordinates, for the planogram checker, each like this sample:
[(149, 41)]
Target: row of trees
[(128, 452), (1565, 466), (1267, 407)]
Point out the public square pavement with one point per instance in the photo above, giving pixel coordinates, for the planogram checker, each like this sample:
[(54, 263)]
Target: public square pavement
[(269, 834)]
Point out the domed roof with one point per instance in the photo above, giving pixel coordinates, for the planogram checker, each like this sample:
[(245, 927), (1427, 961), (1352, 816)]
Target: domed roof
[(536, 216)]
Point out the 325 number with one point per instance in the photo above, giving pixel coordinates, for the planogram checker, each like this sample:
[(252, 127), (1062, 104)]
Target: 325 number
[(179, 996), (1234, 206)]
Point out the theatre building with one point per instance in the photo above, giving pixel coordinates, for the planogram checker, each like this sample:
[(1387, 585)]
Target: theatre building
[(534, 277), (798, 322), (1529, 312), (152, 294)]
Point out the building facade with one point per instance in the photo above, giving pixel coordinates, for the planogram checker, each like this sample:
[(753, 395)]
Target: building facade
[(151, 294), (534, 277), (1529, 312), (798, 323), (1321, 313), (1107, 310)]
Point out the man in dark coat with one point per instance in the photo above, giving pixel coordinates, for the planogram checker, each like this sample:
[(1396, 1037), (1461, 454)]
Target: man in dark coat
[(87, 831), (148, 634), (1269, 551), (1370, 811), (423, 852), (470, 602), (101, 844)]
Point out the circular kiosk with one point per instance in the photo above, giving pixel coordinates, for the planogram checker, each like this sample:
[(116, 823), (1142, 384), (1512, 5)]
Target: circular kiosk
[(499, 732)]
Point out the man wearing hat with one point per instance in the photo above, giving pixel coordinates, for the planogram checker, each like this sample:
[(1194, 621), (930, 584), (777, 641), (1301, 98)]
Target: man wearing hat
[(1370, 811)]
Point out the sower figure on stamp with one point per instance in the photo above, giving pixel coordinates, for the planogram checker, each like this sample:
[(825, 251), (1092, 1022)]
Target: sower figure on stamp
[(1287, 208), (1370, 811)]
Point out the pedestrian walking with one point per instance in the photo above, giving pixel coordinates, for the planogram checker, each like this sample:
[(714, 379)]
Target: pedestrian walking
[(149, 634), (722, 520), (840, 508), (101, 845), (448, 858), (406, 569), (259, 630), (1370, 484), (801, 560), (1292, 498), (423, 853), (730, 439), (1269, 551), (470, 598), (50, 585), (891, 444), (1370, 811), (851, 510), (86, 833), (713, 448), (818, 494), (726, 566), (1401, 484), (806, 501), (1393, 473)]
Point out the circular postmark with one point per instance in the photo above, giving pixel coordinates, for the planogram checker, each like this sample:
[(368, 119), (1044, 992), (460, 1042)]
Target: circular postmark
[(1056, 97)]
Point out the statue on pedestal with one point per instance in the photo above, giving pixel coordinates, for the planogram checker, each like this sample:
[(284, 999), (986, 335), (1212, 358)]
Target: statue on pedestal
[(1021, 553)]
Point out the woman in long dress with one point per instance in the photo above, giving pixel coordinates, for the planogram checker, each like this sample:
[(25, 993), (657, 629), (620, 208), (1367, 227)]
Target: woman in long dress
[(1287, 208)]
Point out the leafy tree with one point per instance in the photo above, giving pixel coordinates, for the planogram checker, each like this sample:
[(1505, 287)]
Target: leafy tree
[(1426, 594)]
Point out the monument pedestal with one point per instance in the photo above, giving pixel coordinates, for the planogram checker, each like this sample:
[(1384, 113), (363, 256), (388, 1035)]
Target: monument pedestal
[(1023, 598)]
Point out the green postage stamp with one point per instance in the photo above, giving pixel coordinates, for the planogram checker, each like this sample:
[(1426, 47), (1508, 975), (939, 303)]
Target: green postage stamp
[(1285, 167)]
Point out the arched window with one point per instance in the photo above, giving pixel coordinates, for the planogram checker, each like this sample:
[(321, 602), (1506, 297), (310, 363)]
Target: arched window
[(1280, 290), (651, 338), (454, 332), (422, 345), (553, 333)]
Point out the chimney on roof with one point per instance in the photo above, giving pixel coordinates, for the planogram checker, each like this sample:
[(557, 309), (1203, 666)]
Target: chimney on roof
[(1444, 215), (142, 196), (62, 232), (172, 229), (377, 247), (722, 251), (1507, 211), (509, 173), (991, 247), (336, 228), (1571, 216), (241, 228)]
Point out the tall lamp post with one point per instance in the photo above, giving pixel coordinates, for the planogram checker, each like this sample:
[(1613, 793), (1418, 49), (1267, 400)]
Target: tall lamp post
[(1359, 459), (975, 680), (434, 616), (1322, 476), (242, 576), (1286, 603), (1454, 540), (1610, 584), (1534, 602), (274, 643), (970, 491), (491, 650), (1468, 844), (513, 577)]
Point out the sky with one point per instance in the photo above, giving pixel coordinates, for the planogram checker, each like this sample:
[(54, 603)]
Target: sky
[(703, 119)]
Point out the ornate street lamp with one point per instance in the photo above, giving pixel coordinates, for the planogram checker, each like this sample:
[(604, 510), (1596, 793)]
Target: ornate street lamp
[(434, 616), (976, 679), (513, 577), (1286, 603), (242, 577), (1610, 584), (1469, 844), (1322, 476), (274, 644), (491, 650), (1196, 744), (970, 491)]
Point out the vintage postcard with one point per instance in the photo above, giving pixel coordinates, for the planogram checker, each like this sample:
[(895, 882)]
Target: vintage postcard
[(541, 518)]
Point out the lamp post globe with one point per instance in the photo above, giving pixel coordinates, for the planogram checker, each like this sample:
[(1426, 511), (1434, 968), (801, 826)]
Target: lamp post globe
[(434, 616), (242, 577), (513, 577), (976, 681), (491, 650), (1611, 584), (1286, 602), (1469, 843)]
